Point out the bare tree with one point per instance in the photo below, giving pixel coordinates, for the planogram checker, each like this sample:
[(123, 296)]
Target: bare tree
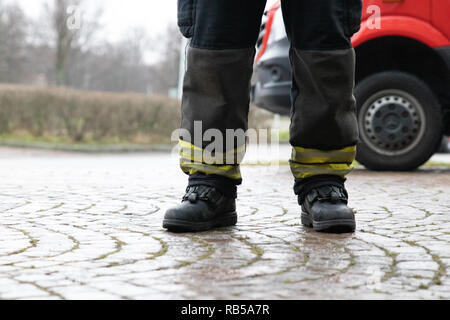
[(63, 48), (166, 71), (71, 32), (117, 66), (13, 31)]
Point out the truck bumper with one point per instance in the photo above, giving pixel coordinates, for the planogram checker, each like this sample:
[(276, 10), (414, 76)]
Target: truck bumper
[(444, 52)]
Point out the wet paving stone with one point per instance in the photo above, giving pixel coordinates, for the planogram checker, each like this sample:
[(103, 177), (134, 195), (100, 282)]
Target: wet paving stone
[(90, 227)]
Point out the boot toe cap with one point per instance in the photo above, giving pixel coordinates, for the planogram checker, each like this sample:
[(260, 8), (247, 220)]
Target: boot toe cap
[(331, 211), (186, 212)]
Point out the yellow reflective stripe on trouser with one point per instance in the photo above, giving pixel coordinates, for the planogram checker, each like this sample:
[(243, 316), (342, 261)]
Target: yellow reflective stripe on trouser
[(191, 152), (195, 160), (232, 172), (303, 171), (306, 163), (311, 156)]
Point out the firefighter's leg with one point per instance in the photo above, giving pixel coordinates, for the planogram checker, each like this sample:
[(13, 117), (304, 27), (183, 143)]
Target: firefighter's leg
[(216, 96), (324, 130)]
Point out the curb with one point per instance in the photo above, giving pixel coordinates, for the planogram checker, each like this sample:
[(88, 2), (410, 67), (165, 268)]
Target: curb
[(80, 148)]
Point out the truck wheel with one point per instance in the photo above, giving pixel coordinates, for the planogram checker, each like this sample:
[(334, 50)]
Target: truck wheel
[(399, 121)]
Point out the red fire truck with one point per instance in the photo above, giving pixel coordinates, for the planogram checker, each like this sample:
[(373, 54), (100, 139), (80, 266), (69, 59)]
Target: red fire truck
[(402, 79)]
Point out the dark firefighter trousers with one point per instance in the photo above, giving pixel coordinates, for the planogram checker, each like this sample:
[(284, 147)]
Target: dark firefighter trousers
[(216, 92)]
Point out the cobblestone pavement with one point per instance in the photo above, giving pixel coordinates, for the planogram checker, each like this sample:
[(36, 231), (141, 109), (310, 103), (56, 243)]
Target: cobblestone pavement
[(89, 227)]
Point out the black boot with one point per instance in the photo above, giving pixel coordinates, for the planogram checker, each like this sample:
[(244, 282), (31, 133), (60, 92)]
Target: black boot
[(325, 209), (203, 208)]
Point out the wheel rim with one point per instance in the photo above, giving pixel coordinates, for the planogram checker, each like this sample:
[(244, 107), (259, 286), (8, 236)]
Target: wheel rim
[(392, 122)]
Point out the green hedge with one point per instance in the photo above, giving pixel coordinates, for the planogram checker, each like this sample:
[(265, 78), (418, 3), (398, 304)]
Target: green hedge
[(78, 116), (73, 116)]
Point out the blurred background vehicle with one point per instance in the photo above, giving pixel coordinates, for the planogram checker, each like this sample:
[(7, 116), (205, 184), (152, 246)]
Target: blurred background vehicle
[(402, 79), (445, 145)]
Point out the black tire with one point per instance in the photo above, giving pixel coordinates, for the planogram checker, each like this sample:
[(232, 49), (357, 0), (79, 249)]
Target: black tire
[(400, 122)]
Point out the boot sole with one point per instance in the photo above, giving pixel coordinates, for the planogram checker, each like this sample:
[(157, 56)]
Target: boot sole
[(331, 226), (178, 226)]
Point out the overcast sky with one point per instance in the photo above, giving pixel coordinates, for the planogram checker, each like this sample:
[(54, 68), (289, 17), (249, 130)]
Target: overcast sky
[(119, 16)]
